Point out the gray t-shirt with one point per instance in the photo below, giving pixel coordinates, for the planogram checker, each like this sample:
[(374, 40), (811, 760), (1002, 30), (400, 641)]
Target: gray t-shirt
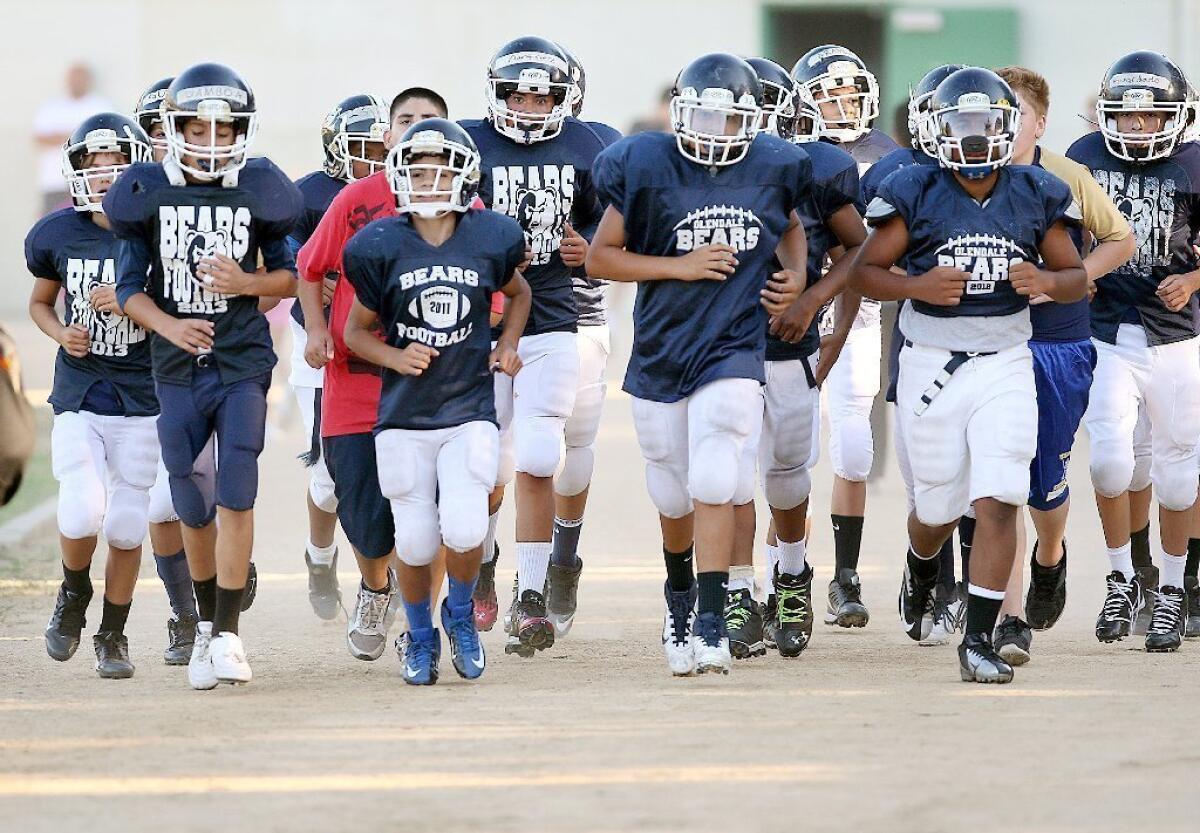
[(968, 333)]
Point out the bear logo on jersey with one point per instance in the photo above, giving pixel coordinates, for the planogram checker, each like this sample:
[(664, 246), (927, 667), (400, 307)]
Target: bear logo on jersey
[(1148, 203), (440, 307), (713, 224), (986, 258), (110, 333), (202, 245), (539, 197)]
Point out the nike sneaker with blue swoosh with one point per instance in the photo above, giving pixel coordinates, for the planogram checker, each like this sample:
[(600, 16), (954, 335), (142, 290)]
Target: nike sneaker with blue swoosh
[(421, 652)]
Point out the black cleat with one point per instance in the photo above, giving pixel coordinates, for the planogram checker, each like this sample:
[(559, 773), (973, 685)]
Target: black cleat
[(769, 614), (1167, 623), (66, 623), (251, 589), (1148, 576), (1191, 588), (531, 629), (324, 594), (916, 604), (744, 624), (562, 589), (1047, 594), (112, 656), (846, 608), (1122, 604), (486, 604), (978, 661), (181, 636), (793, 613), (1012, 640)]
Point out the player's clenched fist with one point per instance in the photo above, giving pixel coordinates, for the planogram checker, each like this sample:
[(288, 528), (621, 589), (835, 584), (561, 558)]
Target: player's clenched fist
[(414, 359), (1175, 291), (75, 340), (708, 263), (573, 247), (941, 286), (318, 351), (504, 359), (1027, 279), (781, 291), (193, 335)]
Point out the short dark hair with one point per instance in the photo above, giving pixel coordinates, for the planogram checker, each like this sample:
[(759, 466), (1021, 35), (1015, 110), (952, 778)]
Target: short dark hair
[(418, 92)]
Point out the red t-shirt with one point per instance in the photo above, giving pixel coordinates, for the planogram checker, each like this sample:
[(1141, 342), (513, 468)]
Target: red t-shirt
[(350, 401)]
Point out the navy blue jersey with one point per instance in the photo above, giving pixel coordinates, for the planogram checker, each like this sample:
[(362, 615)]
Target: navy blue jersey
[(169, 230), (1161, 200), (868, 149), (687, 334), (834, 186), (591, 293), (899, 158), (543, 186), (318, 190), (68, 247), (439, 296), (947, 227)]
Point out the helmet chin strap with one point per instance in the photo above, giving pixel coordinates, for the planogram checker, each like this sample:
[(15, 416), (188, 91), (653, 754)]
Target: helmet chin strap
[(176, 176)]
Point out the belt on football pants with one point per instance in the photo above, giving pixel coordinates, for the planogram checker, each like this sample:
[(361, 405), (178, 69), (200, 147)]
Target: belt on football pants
[(957, 359)]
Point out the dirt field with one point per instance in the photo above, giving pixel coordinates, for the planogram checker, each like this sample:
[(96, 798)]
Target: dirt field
[(866, 731)]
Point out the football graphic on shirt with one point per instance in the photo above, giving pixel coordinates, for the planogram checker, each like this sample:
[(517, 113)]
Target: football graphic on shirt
[(986, 258), (440, 307), (729, 225)]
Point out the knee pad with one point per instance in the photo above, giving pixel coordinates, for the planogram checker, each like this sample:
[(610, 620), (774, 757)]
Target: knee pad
[(1112, 468), (1141, 471), (125, 522), (417, 534), (787, 488), (576, 474), (1175, 484), (852, 447), (81, 504), (668, 488), (464, 522), (538, 443), (580, 440), (320, 488), (713, 469), (162, 510), (506, 466)]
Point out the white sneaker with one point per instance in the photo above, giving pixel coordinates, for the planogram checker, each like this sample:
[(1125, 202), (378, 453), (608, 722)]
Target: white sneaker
[(711, 651), (229, 659), (366, 633), (200, 668), (677, 631)]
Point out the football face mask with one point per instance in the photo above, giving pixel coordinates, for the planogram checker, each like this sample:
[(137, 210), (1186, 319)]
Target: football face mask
[(209, 153), (711, 127), (975, 136), (91, 166), (431, 175)]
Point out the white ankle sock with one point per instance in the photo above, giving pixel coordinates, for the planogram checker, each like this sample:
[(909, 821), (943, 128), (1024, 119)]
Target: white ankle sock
[(1170, 574), (772, 561), (791, 557), (1121, 559), (533, 560), (321, 555), (741, 577)]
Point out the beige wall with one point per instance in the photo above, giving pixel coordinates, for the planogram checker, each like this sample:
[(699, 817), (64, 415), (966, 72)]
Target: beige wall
[(302, 56)]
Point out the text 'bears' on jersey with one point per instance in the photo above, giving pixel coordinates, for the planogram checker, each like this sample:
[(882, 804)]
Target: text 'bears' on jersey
[(985, 258), (540, 199), (1148, 202), (191, 234), (110, 332), (727, 225)]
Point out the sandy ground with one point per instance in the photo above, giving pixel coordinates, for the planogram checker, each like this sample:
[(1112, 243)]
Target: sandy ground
[(866, 731)]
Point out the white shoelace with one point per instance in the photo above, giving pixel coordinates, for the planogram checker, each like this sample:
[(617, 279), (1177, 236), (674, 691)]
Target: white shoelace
[(372, 607)]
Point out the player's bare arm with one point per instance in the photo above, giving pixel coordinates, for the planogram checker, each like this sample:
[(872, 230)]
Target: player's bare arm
[(74, 339), (192, 335), (607, 258), (413, 360), (504, 356), (847, 225)]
